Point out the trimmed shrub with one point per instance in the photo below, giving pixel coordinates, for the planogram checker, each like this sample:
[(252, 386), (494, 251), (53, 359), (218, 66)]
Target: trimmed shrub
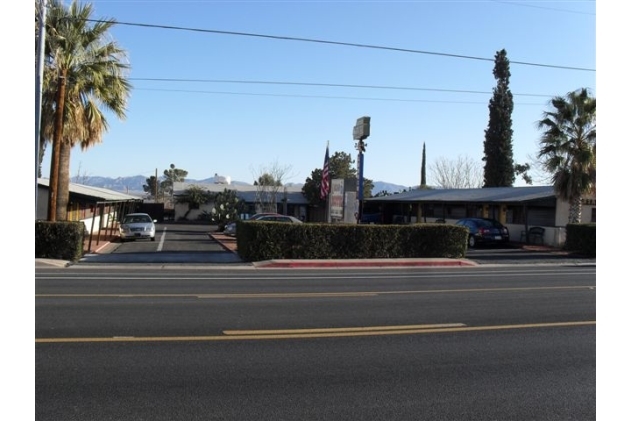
[(581, 238), (59, 240), (258, 240)]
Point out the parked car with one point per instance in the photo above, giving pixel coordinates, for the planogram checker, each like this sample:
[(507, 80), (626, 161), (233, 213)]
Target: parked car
[(279, 218), (231, 228), (135, 226), (484, 231)]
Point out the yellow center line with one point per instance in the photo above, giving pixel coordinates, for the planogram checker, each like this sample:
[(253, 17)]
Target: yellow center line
[(313, 333), (339, 329), (312, 294)]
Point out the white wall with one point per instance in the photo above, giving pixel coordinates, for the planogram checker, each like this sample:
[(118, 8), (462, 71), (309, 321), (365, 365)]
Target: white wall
[(563, 211)]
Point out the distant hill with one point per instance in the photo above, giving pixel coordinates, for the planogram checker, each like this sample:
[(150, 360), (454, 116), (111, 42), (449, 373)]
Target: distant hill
[(380, 186), (134, 184), (122, 184), (128, 184)]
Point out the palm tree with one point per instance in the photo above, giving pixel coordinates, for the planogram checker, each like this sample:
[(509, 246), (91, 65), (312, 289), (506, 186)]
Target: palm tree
[(568, 148), (85, 72)]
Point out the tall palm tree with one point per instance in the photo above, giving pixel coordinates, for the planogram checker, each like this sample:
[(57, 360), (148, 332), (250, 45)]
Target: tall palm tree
[(568, 148), (85, 74)]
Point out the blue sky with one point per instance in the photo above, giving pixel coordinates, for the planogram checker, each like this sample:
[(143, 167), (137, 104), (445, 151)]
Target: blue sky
[(237, 128)]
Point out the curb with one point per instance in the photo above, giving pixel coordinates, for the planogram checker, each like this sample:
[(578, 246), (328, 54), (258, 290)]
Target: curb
[(223, 242), (389, 263), (41, 262)]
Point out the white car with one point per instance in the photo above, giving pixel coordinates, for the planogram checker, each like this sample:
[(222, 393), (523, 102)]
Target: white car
[(136, 226)]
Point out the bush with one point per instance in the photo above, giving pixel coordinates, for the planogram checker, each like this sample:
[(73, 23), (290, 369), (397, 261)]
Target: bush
[(257, 240), (581, 238), (59, 240)]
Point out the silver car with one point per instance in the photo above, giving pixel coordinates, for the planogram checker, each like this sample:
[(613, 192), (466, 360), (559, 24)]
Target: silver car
[(231, 228), (137, 226)]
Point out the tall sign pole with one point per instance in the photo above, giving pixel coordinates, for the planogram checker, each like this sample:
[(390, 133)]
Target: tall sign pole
[(39, 77), (361, 131)]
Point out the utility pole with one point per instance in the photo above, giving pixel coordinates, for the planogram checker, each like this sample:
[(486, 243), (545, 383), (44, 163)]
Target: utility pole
[(39, 77), (361, 131)]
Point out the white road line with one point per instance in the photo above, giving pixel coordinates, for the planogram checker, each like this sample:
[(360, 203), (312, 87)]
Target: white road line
[(162, 237)]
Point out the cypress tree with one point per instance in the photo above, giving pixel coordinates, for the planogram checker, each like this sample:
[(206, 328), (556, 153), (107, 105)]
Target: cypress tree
[(499, 169), (423, 178)]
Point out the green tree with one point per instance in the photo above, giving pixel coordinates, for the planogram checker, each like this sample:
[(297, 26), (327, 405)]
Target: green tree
[(382, 193), (84, 75), (340, 166), (311, 188), (522, 169), (171, 176), (499, 170), (267, 179), (154, 188), (195, 196), (423, 170), (568, 148)]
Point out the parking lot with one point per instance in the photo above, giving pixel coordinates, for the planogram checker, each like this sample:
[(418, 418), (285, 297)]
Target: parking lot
[(186, 243)]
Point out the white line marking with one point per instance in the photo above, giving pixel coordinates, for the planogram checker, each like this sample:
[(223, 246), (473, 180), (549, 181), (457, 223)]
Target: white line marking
[(162, 237)]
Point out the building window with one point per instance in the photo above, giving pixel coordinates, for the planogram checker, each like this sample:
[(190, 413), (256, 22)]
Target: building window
[(593, 215)]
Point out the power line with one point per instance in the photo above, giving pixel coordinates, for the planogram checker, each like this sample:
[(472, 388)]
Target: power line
[(431, 101), (336, 85), (348, 44), (513, 3)]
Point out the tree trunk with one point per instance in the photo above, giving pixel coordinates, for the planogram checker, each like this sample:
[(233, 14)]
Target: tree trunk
[(576, 209), (63, 193), (57, 136), (42, 150)]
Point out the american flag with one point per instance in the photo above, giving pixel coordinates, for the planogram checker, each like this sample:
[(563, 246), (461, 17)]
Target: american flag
[(325, 185)]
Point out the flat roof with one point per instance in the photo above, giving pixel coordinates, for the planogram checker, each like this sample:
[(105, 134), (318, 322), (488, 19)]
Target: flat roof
[(483, 195), (94, 192), (246, 192)]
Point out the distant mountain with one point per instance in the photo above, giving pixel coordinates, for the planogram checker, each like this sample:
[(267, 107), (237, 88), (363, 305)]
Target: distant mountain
[(122, 184), (134, 184), (380, 186)]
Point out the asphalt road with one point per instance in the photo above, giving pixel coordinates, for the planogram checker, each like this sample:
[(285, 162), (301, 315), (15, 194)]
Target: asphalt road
[(438, 344), (175, 243)]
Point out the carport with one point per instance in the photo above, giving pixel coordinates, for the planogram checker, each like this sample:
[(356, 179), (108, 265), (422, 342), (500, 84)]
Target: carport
[(522, 207), (98, 208)]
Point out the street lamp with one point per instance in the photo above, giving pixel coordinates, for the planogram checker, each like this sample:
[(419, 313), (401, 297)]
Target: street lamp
[(361, 131)]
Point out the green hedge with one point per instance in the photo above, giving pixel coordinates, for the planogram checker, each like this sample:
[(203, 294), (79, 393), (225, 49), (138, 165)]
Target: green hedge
[(59, 240), (581, 238), (258, 241)]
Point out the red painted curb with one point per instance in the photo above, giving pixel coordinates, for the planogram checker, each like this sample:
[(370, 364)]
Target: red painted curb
[(338, 264)]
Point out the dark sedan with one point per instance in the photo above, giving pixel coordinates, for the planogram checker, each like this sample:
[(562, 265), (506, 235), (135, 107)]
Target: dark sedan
[(484, 231)]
